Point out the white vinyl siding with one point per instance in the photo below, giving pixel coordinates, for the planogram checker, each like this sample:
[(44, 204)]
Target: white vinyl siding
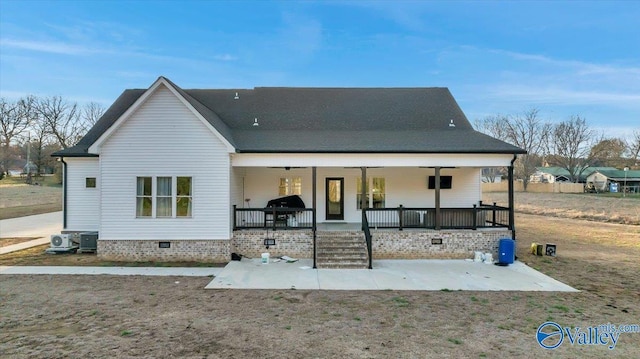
[(163, 138), (83, 203)]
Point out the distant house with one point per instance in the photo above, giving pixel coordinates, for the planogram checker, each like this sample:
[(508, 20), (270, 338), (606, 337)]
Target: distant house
[(554, 174), (628, 181), (174, 174)]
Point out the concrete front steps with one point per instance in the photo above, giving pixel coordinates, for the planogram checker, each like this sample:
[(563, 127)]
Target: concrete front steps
[(341, 250)]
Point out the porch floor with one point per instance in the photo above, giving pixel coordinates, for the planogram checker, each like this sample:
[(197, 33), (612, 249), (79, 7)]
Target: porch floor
[(387, 274)]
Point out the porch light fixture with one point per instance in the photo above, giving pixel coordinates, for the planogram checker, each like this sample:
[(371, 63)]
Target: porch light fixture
[(451, 124), (255, 122)]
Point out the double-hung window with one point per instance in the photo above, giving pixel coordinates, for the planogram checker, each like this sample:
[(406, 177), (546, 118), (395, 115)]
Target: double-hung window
[(290, 186), (164, 197), (144, 198), (183, 197), (375, 193)]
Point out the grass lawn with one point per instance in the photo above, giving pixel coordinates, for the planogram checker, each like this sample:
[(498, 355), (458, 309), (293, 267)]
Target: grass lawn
[(589, 206), (18, 199)]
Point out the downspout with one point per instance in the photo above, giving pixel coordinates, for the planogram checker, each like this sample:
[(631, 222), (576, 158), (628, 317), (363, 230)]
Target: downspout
[(64, 193), (511, 200)]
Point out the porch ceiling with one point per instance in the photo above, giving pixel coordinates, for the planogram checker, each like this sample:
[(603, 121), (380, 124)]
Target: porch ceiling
[(369, 160)]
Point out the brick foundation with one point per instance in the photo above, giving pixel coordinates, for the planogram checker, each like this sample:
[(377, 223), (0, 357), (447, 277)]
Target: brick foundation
[(292, 243), (411, 244), (387, 244), (208, 251)]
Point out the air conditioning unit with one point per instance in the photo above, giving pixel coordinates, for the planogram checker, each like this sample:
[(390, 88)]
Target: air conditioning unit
[(61, 242), (88, 242)]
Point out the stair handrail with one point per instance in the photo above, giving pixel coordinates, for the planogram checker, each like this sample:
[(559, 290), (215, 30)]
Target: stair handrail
[(367, 236)]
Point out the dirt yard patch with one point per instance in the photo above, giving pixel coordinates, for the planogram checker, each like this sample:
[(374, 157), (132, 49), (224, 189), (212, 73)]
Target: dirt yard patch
[(121, 317), (14, 240), (591, 207)]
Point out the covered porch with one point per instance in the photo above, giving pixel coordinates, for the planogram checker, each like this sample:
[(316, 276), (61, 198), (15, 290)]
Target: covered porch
[(405, 194)]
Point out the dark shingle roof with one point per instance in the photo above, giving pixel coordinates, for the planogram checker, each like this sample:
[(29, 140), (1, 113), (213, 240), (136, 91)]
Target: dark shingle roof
[(374, 120)]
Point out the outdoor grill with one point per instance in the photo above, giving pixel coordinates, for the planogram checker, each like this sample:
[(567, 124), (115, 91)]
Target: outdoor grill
[(273, 214), (293, 201)]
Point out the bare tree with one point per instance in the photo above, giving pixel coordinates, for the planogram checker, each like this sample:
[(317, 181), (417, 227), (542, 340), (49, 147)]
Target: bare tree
[(608, 152), (92, 112), (633, 147), (492, 126), (570, 144), (40, 139), (62, 119), (526, 131), (15, 119)]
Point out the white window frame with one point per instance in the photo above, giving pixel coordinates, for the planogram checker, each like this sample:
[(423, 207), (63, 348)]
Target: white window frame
[(154, 197), (176, 196)]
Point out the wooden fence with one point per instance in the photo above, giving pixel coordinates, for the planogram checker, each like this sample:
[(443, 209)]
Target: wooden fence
[(557, 187)]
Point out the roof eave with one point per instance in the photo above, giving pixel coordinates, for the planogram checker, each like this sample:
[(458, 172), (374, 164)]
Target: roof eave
[(382, 152), (90, 155)]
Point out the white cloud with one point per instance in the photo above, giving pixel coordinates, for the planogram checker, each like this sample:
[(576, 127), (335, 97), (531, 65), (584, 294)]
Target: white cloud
[(48, 46), (562, 96), (579, 67)]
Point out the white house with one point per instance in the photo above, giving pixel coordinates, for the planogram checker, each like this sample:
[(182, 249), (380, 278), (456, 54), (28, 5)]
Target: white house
[(173, 174), (625, 181)]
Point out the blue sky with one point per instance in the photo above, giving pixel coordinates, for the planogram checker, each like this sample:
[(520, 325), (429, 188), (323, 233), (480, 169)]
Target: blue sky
[(496, 57)]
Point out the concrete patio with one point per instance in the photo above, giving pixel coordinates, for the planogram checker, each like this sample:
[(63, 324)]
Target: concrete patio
[(427, 275)]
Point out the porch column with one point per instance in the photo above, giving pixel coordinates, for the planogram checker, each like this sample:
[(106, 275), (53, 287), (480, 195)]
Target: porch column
[(313, 204), (511, 201), (363, 192), (437, 199)]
